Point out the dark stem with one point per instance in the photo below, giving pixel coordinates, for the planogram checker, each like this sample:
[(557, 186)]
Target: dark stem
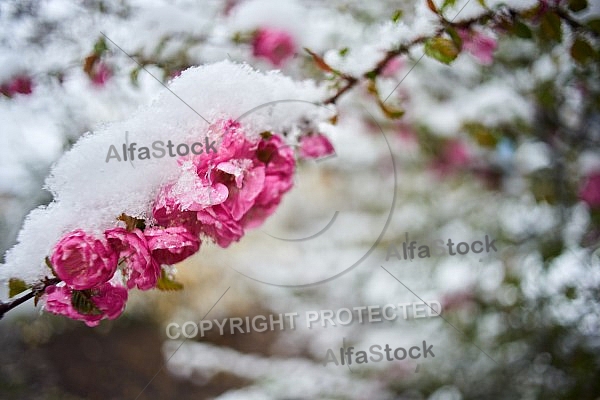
[(35, 291)]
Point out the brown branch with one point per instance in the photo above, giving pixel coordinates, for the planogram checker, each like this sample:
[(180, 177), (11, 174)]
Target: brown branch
[(38, 289), (492, 16), (573, 23)]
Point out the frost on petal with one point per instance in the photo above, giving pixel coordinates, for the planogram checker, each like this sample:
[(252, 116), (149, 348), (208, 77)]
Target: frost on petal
[(171, 245)]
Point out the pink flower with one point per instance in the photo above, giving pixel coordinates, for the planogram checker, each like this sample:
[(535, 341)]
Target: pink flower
[(279, 179), (108, 299), (274, 45), (392, 67), (224, 185), (21, 84), (100, 74), (228, 191), (458, 300), (142, 269), (456, 153), (315, 146), (590, 190), (171, 245), (168, 211), (82, 261), (455, 156), (218, 224), (479, 45)]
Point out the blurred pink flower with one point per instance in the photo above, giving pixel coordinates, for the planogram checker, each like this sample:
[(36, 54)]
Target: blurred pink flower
[(590, 190), (456, 153), (481, 46), (458, 300), (101, 73), (274, 45), (392, 67), (315, 146), (83, 261), (109, 299), (142, 270), (171, 245), (21, 84)]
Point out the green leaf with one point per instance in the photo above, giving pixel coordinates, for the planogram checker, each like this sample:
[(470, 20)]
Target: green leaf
[(442, 49), (166, 284), (16, 286), (550, 27), (343, 51), (391, 113), (570, 292), (371, 75), (100, 46), (581, 51), (521, 30), (81, 301), (485, 136), (397, 15), (49, 265), (577, 5), (455, 37), (133, 76), (594, 25), (448, 3)]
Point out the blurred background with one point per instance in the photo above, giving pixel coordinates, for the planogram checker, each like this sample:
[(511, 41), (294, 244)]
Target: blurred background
[(503, 142)]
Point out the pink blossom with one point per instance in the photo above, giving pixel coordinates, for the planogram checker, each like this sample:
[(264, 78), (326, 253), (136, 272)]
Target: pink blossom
[(100, 74), (168, 211), (109, 300), (456, 153), (83, 261), (392, 67), (590, 190), (21, 84), (455, 156), (274, 45), (171, 245), (256, 174), (219, 224), (279, 179), (479, 45), (315, 146), (230, 190), (142, 269), (458, 300)]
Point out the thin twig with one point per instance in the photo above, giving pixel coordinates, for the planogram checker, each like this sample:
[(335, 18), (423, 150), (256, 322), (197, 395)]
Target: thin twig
[(36, 290)]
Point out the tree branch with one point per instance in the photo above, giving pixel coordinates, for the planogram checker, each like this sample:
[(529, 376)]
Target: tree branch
[(35, 291)]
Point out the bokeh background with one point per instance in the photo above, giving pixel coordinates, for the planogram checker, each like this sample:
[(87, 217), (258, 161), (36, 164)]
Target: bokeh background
[(503, 143)]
